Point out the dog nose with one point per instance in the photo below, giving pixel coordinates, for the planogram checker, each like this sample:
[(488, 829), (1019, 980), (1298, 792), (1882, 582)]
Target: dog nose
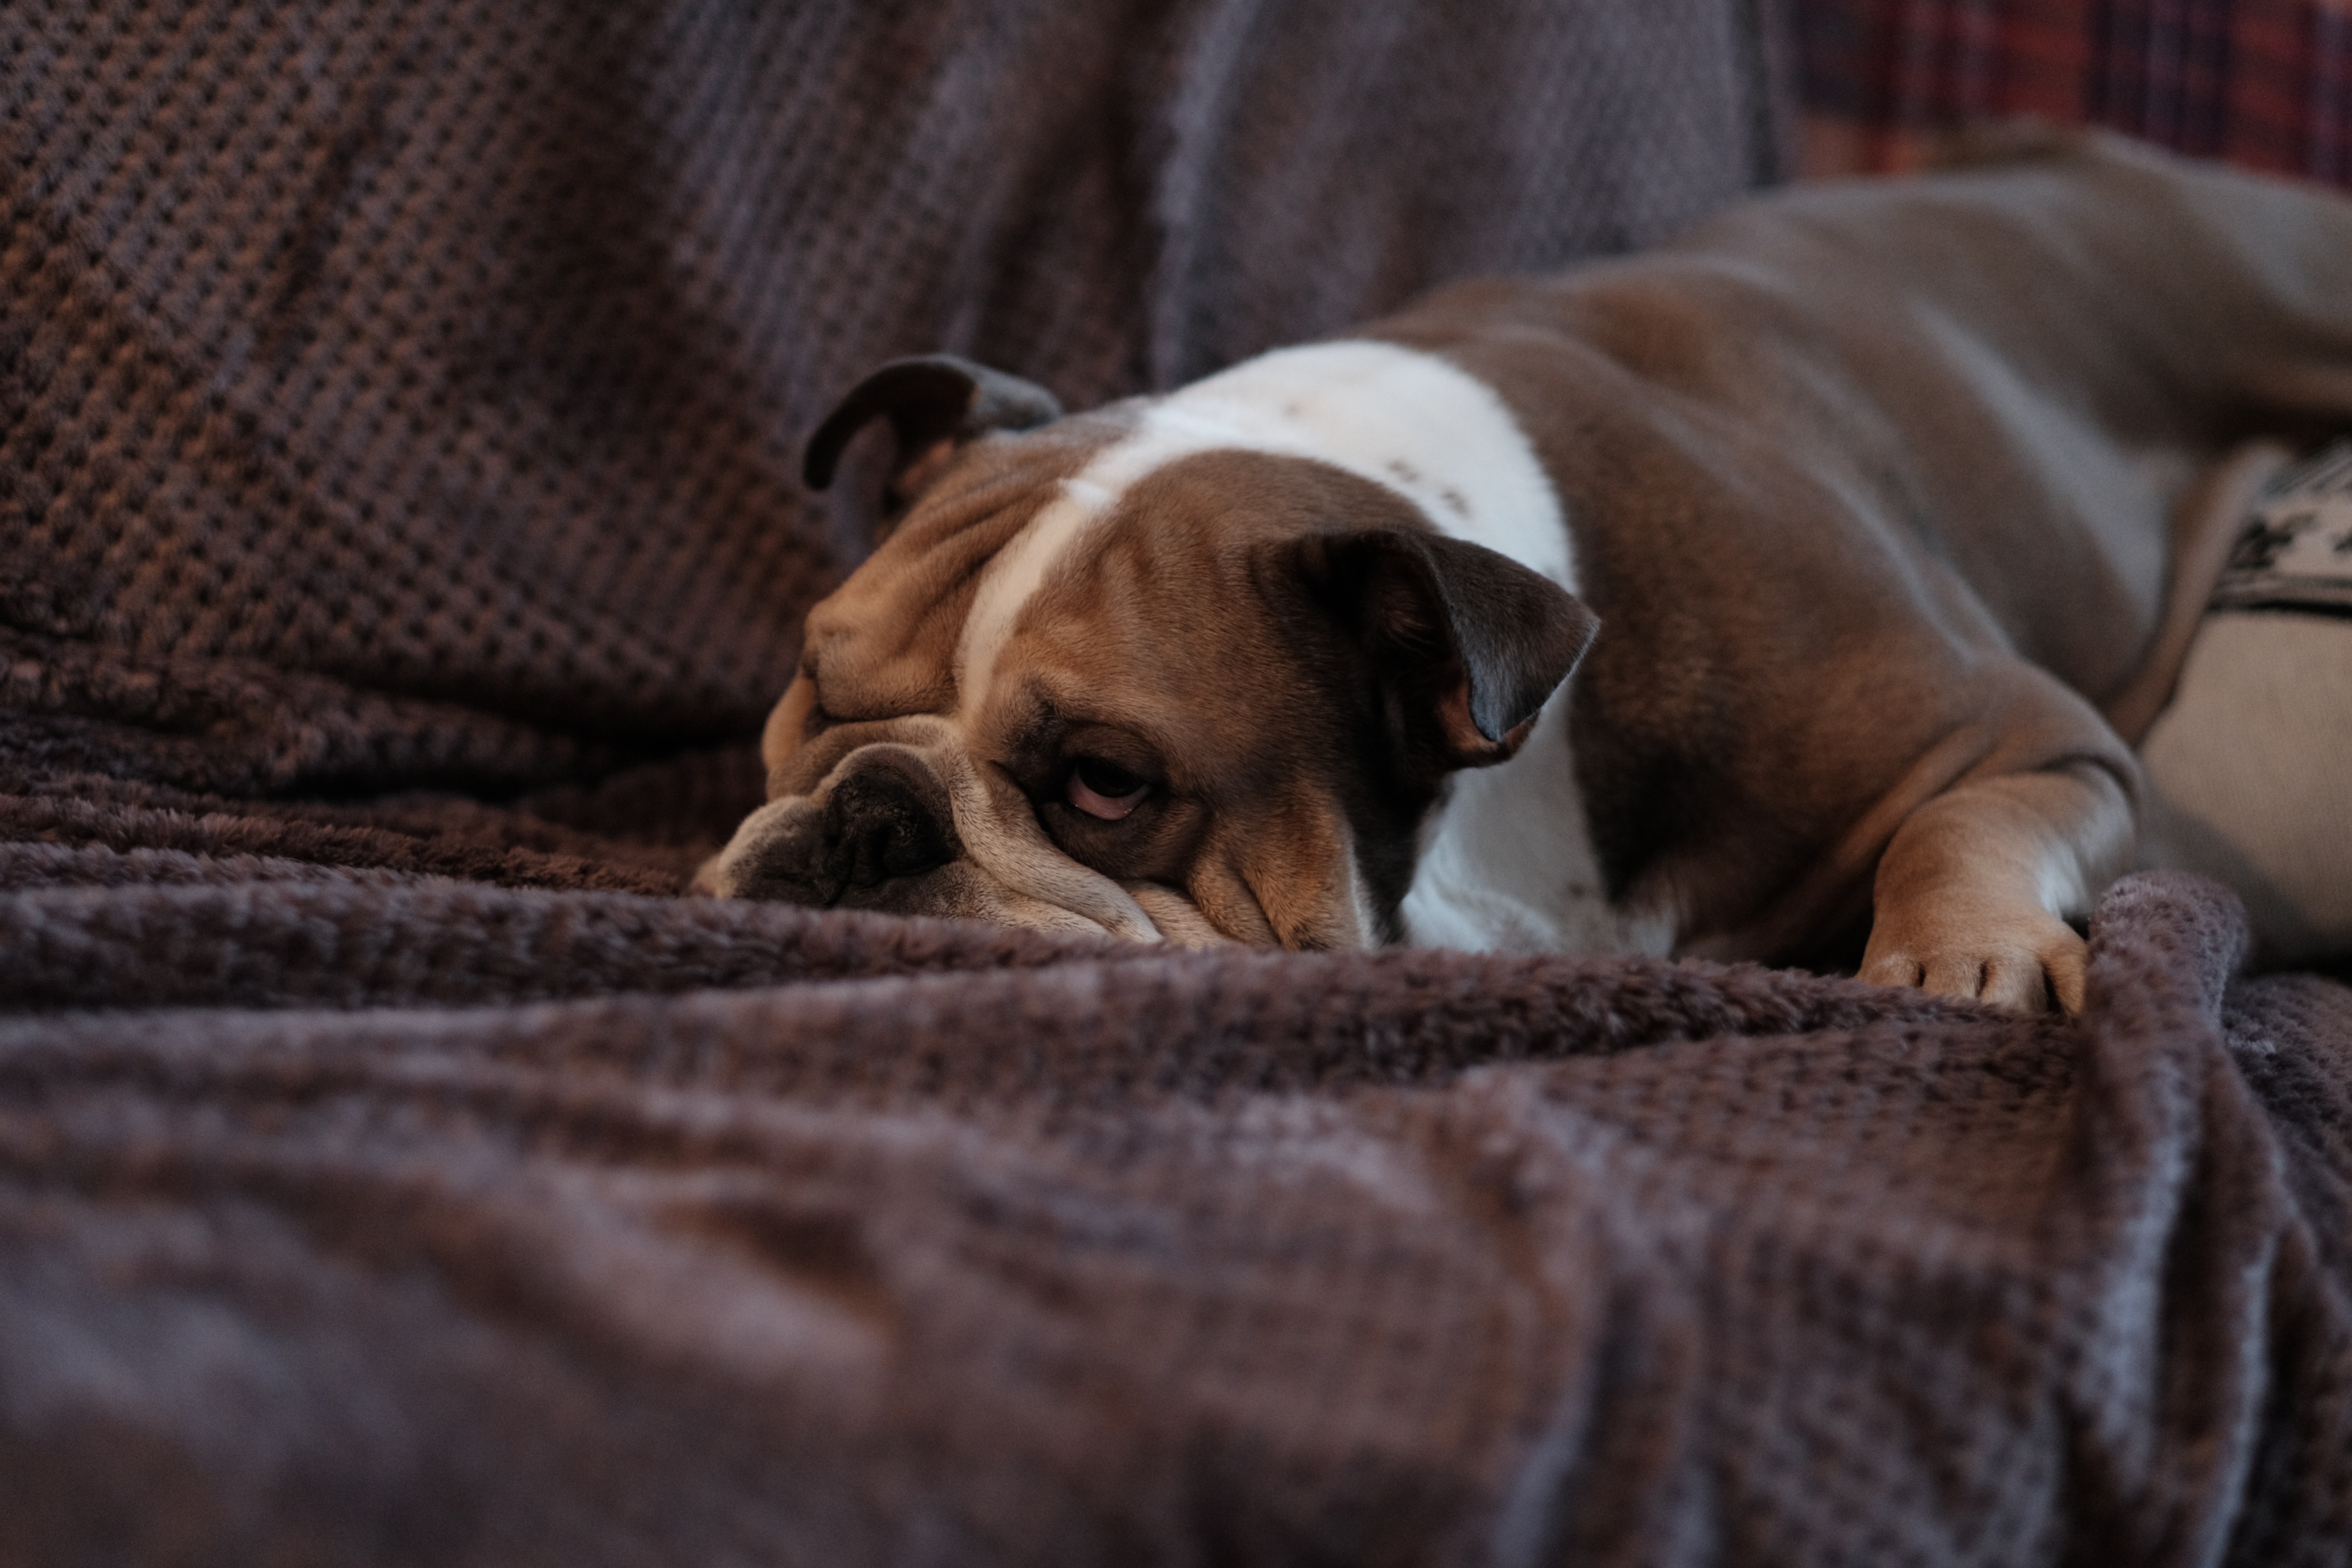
[(887, 819)]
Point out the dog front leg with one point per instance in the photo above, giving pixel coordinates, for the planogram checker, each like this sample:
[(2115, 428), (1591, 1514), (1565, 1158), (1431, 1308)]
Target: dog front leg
[(1973, 891)]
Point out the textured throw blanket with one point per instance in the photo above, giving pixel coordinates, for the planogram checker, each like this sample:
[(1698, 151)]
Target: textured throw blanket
[(759, 1235), (399, 545)]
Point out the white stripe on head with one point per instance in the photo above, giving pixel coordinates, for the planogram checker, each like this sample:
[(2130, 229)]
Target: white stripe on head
[(1411, 422)]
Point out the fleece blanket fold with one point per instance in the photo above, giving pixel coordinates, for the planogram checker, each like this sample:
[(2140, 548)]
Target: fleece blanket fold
[(758, 1236)]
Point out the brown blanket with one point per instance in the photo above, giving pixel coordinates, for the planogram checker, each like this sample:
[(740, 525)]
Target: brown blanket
[(398, 544), (889, 1242)]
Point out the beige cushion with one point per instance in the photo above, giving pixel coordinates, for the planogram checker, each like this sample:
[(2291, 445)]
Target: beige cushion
[(2250, 769)]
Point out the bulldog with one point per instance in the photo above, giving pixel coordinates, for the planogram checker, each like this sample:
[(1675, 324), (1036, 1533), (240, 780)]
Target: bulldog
[(1809, 577)]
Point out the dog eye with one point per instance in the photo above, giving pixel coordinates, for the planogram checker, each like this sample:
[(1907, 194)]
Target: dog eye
[(1104, 789)]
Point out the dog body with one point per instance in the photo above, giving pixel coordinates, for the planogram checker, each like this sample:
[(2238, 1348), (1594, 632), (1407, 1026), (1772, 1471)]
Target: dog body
[(1894, 502)]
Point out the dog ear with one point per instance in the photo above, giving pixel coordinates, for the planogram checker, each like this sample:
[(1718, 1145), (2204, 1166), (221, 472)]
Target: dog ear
[(935, 403), (1468, 642)]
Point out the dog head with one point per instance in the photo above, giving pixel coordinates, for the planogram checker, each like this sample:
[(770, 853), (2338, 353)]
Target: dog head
[(1193, 667)]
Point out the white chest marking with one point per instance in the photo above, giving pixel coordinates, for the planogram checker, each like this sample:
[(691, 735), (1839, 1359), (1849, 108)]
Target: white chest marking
[(1508, 861)]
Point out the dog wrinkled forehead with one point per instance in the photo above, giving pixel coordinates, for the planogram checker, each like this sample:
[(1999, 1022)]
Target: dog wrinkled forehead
[(884, 643), (1170, 667)]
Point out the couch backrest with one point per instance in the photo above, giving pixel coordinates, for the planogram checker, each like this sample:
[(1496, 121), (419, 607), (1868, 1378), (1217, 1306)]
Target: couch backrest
[(456, 355)]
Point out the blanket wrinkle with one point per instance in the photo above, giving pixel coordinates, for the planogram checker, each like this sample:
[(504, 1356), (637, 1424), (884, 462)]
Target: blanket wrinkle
[(1109, 1230), (2185, 1177)]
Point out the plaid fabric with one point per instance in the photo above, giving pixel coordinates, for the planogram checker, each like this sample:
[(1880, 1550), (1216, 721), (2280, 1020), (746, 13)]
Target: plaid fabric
[(2265, 83)]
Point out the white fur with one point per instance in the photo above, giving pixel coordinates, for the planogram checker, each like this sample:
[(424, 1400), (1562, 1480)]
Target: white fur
[(1406, 420), (1508, 861)]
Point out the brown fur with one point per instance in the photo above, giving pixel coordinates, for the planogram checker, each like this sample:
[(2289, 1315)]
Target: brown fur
[(1175, 645), (1956, 412), (882, 645), (1880, 491)]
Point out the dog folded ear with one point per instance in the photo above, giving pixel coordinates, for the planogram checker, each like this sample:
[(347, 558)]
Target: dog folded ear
[(1469, 642), (934, 403)]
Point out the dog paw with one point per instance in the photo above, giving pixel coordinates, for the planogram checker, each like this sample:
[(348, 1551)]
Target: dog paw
[(2026, 961)]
